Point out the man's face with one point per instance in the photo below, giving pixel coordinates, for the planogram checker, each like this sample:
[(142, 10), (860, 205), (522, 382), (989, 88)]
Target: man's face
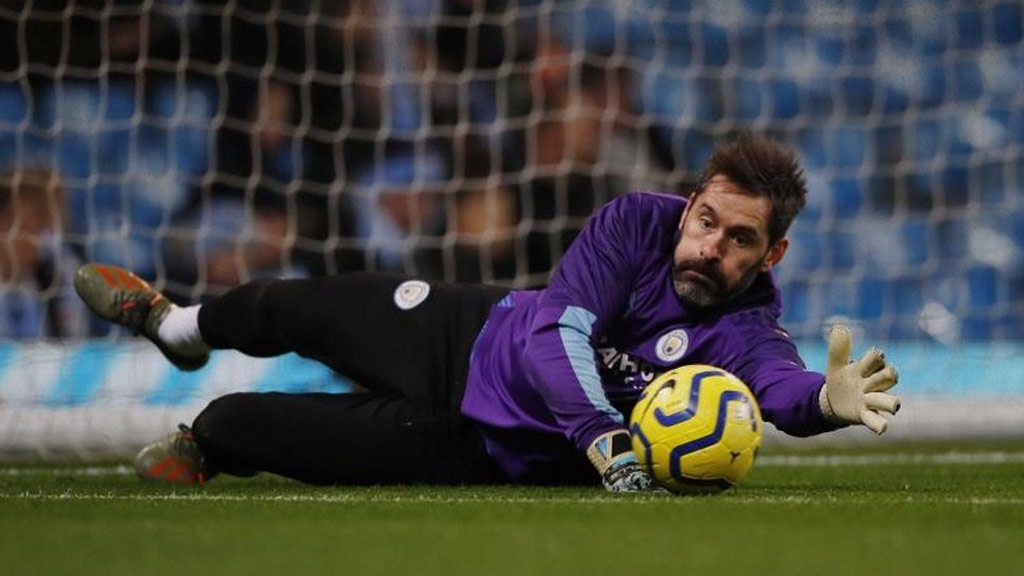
[(723, 245)]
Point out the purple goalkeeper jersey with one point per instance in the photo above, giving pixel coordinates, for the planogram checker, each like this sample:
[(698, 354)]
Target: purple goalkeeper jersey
[(570, 360)]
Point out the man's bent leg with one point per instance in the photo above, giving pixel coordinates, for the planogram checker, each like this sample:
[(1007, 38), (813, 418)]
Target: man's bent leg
[(363, 438), (354, 324)]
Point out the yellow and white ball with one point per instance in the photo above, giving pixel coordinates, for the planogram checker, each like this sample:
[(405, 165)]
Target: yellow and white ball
[(696, 429)]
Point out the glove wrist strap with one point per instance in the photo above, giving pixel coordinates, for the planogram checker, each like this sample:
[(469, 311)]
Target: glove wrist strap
[(826, 407), (609, 448)]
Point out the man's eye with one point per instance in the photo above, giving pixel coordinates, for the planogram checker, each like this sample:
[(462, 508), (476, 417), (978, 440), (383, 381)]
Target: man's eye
[(705, 223)]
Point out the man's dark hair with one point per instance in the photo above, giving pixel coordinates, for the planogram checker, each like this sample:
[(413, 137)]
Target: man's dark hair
[(762, 167)]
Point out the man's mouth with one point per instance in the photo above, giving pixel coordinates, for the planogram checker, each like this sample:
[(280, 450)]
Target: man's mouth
[(701, 278)]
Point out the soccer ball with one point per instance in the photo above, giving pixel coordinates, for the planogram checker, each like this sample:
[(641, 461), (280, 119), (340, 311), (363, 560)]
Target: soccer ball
[(696, 429)]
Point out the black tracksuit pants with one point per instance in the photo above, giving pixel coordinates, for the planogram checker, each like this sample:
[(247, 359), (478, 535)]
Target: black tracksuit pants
[(412, 362)]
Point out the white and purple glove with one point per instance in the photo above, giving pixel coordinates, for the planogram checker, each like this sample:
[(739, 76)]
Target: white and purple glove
[(612, 455)]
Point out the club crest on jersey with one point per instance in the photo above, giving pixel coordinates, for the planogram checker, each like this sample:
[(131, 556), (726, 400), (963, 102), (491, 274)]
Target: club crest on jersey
[(411, 294), (672, 345)]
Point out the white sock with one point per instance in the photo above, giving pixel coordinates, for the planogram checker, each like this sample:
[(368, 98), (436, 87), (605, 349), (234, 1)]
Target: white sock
[(180, 331)]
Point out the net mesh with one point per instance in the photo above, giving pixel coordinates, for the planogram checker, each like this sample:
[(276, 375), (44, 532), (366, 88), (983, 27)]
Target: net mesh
[(204, 143)]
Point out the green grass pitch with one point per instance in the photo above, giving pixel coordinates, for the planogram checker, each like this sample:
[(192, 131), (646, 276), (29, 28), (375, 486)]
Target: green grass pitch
[(909, 510)]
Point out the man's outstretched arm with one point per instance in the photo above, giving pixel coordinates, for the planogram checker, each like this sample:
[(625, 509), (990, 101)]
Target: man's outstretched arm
[(803, 402)]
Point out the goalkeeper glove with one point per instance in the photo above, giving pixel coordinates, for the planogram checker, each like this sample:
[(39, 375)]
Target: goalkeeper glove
[(612, 455), (855, 392)]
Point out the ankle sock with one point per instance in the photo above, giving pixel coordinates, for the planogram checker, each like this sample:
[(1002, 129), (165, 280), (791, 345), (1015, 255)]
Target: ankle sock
[(180, 331)]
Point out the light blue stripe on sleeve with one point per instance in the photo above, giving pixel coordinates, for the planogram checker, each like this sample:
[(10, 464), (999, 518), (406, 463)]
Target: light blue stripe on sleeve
[(83, 375), (576, 326)]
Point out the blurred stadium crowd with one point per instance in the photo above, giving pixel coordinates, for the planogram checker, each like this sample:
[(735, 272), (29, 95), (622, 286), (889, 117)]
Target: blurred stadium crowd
[(203, 143)]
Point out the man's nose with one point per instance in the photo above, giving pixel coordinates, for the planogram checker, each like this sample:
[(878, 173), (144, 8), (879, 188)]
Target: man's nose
[(711, 248)]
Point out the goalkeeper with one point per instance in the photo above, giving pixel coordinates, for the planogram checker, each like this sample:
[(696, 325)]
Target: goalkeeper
[(478, 384)]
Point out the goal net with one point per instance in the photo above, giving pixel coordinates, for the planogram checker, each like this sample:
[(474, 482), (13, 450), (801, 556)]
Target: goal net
[(204, 143)]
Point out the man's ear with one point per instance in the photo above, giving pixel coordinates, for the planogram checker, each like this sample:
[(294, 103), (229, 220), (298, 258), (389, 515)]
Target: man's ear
[(775, 254)]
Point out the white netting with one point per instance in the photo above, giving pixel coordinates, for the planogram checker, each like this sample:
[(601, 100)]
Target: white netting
[(203, 143)]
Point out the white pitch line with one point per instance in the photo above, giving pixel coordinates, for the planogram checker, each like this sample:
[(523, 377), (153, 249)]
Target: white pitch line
[(833, 460), (599, 498), (336, 498), (786, 460), (768, 460)]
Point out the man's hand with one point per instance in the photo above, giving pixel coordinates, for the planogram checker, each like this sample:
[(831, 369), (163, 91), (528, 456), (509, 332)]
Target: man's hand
[(612, 455), (855, 393)]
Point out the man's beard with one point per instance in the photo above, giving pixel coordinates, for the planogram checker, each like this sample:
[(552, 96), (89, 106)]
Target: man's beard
[(703, 291), (710, 288)]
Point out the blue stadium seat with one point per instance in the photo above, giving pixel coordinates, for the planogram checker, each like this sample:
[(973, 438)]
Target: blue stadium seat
[(1008, 326), (1015, 119), (907, 296), (837, 297), (76, 155), (785, 98), (590, 27), (976, 326), (787, 7), (867, 7), (796, 298), (848, 147), (968, 29), (709, 103), (893, 100), (916, 238), (805, 250), (748, 98), (14, 106), (829, 49), (925, 137), (818, 97), (871, 298), (751, 46), (951, 239), (931, 82), (714, 45), (989, 184), (14, 112), (757, 8), (812, 144), (1018, 171), (191, 135), (982, 287), (896, 31), (1014, 225), (862, 49), (840, 251), (847, 195), (1007, 23), (956, 186), (695, 146), (968, 81), (118, 103), (858, 94), (887, 147), (115, 137), (928, 36)]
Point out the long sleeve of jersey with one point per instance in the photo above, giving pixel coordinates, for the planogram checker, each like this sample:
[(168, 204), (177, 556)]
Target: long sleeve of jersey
[(786, 391), (588, 290)]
